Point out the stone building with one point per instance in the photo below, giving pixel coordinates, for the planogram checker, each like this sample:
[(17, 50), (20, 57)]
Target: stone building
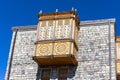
[(61, 47)]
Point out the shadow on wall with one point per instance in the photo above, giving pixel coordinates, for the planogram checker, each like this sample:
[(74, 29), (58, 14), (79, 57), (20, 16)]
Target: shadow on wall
[(72, 71), (38, 76), (55, 70)]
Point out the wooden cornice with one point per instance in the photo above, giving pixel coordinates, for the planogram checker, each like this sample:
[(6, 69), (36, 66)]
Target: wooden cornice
[(56, 13)]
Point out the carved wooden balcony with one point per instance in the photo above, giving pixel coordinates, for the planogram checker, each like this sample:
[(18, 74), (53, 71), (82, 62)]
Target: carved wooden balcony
[(56, 53), (57, 39)]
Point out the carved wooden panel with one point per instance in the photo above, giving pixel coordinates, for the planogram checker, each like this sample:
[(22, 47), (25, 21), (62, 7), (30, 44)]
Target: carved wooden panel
[(118, 67), (61, 48), (44, 49), (58, 48)]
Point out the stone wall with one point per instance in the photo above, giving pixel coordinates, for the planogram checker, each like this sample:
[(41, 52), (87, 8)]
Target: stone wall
[(97, 52), (96, 57), (23, 66)]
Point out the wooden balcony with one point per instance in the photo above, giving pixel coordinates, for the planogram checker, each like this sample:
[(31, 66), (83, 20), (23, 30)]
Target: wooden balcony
[(57, 39), (54, 60), (56, 53)]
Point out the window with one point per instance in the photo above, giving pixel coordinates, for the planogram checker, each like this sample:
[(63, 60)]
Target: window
[(62, 74), (45, 74)]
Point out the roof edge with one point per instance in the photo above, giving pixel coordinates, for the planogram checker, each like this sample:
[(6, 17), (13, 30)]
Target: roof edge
[(31, 27), (112, 20), (88, 22)]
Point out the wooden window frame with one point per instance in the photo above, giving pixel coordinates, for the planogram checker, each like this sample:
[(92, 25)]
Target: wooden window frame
[(43, 74), (63, 71)]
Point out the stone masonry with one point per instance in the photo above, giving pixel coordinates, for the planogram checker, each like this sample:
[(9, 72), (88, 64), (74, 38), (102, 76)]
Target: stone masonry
[(96, 57)]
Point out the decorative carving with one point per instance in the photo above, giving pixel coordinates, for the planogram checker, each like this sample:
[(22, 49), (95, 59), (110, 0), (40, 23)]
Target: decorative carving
[(61, 48), (44, 49)]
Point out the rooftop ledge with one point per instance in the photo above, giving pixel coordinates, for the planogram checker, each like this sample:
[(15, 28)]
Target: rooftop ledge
[(34, 27)]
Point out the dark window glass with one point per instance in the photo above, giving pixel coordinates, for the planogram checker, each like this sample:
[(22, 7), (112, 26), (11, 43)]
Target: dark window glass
[(45, 74), (62, 75)]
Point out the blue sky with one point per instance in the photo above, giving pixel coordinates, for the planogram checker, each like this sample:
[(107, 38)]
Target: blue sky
[(24, 12)]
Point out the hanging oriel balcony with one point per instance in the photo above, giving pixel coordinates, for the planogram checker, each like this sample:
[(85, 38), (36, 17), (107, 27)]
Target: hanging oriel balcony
[(57, 39)]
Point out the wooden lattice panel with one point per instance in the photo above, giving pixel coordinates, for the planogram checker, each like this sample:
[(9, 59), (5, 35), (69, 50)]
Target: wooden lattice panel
[(67, 31), (50, 30), (63, 29), (45, 30), (42, 30), (56, 29)]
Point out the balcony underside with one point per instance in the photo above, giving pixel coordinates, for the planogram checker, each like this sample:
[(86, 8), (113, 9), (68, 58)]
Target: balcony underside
[(118, 76), (55, 60)]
